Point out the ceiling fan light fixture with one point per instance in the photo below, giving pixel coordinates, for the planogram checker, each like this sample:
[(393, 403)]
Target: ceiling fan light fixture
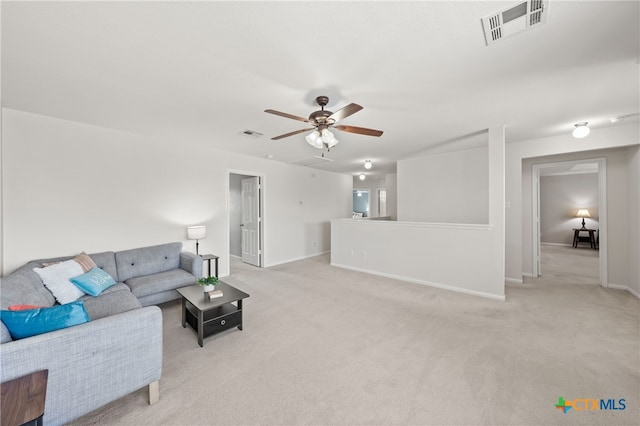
[(327, 136), (581, 130), (368, 164), (314, 140)]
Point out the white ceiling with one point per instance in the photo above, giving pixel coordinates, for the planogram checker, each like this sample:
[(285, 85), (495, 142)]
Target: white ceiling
[(205, 71)]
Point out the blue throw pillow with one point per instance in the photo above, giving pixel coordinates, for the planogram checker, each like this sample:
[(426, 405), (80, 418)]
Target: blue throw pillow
[(93, 282), (31, 322)]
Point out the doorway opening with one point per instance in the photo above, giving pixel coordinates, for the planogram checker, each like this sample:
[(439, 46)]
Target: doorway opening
[(360, 203), (559, 191), (244, 210)]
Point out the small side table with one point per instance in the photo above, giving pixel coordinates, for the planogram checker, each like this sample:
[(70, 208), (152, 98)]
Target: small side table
[(578, 239), (23, 399), (208, 258)]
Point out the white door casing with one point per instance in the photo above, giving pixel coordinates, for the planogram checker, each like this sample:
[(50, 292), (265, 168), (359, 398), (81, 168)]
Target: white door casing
[(251, 220), (602, 211)]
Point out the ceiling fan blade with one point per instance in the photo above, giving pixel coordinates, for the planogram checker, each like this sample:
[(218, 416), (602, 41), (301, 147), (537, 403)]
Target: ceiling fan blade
[(286, 135), (345, 112), (359, 130), (285, 115)]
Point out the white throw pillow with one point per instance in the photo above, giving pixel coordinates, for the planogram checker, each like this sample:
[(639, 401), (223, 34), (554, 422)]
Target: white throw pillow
[(56, 279)]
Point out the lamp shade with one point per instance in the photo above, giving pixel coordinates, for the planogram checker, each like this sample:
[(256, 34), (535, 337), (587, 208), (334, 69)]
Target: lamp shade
[(196, 232), (583, 213)]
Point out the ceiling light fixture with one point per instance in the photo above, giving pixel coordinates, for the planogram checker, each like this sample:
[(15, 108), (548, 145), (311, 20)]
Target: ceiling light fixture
[(322, 138), (367, 164), (362, 177), (581, 130)]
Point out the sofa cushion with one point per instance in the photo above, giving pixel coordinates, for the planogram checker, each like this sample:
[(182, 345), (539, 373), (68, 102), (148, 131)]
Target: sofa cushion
[(107, 262), (93, 282), (147, 260), (32, 322), (104, 260), (5, 336), (155, 283), (24, 307), (24, 287), (110, 303), (85, 261), (56, 279)]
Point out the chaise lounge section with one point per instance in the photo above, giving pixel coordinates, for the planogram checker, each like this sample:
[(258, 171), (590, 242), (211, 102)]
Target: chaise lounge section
[(115, 353)]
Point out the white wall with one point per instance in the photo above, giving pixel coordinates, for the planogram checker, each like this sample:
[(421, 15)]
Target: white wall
[(518, 220), (392, 195), (468, 258), (453, 257), (445, 188), (560, 198), (70, 187)]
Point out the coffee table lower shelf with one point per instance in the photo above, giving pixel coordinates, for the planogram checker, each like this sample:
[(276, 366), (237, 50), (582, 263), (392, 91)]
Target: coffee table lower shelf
[(214, 320)]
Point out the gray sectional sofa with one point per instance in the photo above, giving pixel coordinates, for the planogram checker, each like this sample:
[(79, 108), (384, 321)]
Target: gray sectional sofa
[(119, 350)]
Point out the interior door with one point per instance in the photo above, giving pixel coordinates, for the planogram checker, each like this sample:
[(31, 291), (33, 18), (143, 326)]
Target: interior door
[(251, 218)]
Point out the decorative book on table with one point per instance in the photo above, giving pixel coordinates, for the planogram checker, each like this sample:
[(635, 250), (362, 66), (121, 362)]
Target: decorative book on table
[(213, 294)]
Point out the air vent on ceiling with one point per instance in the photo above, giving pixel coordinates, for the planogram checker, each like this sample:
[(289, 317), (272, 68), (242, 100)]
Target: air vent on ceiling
[(309, 161), (251, 134), (514, 19)]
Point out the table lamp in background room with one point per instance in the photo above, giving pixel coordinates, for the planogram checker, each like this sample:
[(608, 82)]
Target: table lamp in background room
[(199, 232), (583, 213)]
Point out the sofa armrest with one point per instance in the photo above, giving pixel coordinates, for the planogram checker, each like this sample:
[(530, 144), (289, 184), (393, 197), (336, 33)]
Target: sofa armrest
[(90, 364), (191, 263)]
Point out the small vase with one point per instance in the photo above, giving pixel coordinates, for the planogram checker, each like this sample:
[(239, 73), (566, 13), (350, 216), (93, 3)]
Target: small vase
[(209, 287)]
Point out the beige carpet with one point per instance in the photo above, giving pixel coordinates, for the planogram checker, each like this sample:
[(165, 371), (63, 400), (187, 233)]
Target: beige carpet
[(327, 346), (565, 264)]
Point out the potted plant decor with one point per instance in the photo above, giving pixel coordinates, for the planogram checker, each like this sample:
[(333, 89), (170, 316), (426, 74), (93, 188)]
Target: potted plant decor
[(208, 283)]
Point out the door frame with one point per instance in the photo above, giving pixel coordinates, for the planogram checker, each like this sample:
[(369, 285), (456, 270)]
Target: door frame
[(602, 213), (262, 204)]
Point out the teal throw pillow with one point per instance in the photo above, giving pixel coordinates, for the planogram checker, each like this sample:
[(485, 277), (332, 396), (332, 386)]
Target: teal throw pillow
[(93, 282), (32, 322)]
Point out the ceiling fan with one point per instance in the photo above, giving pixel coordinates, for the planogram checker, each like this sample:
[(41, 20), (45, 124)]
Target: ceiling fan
[(322, 120)]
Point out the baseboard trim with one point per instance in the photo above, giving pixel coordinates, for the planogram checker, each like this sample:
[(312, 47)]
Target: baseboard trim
[(297, 258), (513, 280), (423, 282), (556, 244), (624, 287), (527, 274)]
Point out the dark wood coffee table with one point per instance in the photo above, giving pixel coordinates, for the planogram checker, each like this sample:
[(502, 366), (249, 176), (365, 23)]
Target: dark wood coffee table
[(209, 317)]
